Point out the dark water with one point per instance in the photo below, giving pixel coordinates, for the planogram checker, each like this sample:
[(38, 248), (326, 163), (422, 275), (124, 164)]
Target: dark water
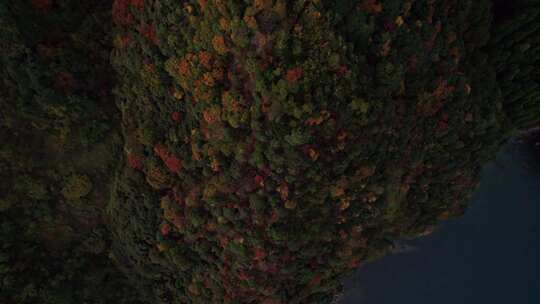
[(491, 255)]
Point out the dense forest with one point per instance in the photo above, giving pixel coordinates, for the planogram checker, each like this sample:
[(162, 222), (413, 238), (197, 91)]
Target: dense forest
[(210, 151)]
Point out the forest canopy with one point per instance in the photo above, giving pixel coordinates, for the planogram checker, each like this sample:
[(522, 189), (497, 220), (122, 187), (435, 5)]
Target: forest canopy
[(165, 151)]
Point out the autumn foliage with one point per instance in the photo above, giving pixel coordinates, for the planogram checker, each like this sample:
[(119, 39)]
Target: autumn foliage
[(58, 153), (307, 133), (268, 148)]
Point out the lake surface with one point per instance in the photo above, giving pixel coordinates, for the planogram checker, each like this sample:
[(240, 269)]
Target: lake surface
[(490, 255)]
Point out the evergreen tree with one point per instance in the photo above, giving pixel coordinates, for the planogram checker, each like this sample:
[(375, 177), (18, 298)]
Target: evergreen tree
[(515, 53)]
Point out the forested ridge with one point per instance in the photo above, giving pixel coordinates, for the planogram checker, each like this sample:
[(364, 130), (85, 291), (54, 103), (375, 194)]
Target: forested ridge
[(160, 151)]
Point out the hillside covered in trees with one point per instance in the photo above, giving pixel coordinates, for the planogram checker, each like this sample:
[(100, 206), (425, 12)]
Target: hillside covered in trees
[(165, 151)]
